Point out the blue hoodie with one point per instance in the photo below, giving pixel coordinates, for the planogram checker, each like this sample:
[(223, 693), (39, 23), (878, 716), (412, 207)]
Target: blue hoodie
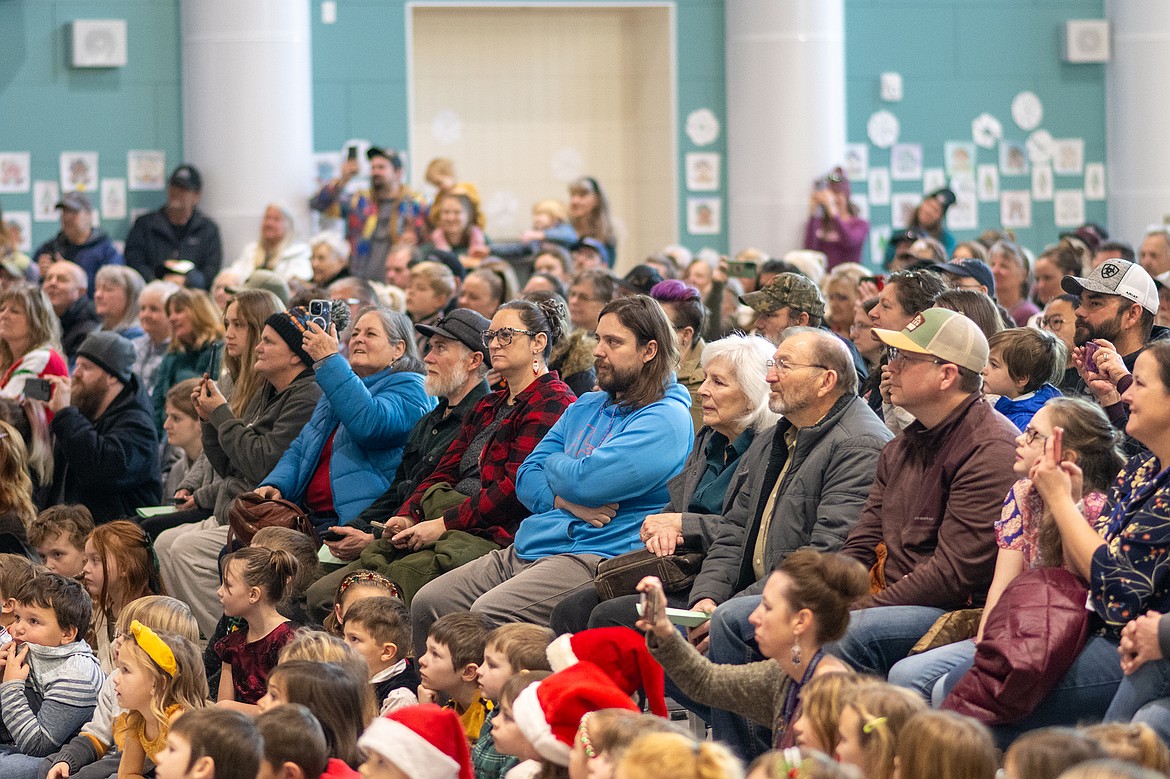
[(1021, 410), (598, 453)]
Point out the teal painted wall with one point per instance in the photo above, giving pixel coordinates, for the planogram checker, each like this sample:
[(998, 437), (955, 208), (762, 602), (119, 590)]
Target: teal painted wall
[(48, 106)]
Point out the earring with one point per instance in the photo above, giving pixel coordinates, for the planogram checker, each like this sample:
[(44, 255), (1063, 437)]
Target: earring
[(535, 366), (796, 658)]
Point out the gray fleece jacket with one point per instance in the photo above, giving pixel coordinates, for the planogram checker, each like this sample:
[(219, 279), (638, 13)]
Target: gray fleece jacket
[(40, 713)]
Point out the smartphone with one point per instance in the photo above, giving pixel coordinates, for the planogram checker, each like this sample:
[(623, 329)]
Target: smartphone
[(1057, 444), (649, 605), (321, 312), (38, 389), (213, 365), (351, 153), (1091, 348), (331, 535), (741, 270)]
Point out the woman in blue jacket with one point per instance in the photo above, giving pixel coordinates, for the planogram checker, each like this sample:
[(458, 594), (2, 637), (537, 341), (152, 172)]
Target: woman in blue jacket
[(346, 455)]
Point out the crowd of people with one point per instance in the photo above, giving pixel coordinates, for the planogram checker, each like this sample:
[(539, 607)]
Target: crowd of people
[(404, 500)]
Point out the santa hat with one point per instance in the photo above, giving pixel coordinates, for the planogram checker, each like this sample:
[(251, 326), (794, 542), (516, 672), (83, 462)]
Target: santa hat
[(549, 712), (424, 742), (622, 654)]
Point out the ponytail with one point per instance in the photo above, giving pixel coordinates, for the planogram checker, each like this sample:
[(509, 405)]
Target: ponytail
[(272, 570)]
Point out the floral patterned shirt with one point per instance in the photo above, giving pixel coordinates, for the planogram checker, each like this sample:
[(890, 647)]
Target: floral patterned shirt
[(1019, 523)]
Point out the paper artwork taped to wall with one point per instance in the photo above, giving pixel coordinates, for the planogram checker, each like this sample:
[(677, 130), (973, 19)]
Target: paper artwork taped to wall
[(702, 127), (568, 164), (986, 130), (856, 161), (882, 129), (862, 203), (964, 214), (1027, 110), (14, 171), (19, 224), (46, 195), (446, 127), (1013, 158), (704, 215), (326, 167), (879, 186), (933, 179), (902, 205), (960, 158), (878, 238), (1068, 208), (906, 161), (1068, 156), (1040, 147), (1015, 208), (1095, 181), (114, 198), (1042, 182), (79, 171), (987, 183), (702, 171), (146, 170)]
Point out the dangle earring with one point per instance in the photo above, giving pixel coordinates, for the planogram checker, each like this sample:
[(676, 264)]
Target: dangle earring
[(796, 656), (535, 365)]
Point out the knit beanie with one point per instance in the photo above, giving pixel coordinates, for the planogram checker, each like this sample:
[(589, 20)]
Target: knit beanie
[(291, 326), (622, 654), (111, 352), (423, 741)]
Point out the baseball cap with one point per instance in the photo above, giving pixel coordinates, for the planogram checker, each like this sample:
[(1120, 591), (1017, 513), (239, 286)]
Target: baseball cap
[(941, 333), (462, 325), (595, 245), (1117, 277), (945, 196), (75, 201), (186, 177), (390, 154), (970, 268), (641, 279), (909, 235), (787, 289)]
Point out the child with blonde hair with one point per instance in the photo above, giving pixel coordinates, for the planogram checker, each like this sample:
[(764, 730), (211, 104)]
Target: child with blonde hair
[(870, 725), (1049, 752), (655, 755), (821, 701), (943, 743), (1133, 742)]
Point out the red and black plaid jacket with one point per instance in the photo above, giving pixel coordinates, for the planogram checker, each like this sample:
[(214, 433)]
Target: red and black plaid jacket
[(494, 512)]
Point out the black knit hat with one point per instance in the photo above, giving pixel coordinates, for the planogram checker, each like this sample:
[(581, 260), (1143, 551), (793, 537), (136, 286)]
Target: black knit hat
[(291, 326), (111, 352)]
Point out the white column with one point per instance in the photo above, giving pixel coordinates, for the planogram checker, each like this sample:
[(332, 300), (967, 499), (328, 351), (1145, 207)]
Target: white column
[(248, 110), (1136, 116), (785, 114)]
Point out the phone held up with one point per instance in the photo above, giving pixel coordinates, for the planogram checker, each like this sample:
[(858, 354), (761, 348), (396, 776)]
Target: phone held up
[(321, 312), (38, 389)]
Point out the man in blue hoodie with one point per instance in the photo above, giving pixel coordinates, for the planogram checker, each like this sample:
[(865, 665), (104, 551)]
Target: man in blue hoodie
[(590, 482)]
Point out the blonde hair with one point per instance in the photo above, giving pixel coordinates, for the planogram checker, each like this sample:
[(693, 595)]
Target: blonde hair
[(16, 486), (316, 645), (186, 688), (436, 275), (800, 763), (160, 613), (1048, 752), (942, 743), (821, 703), (883, 710), (44, 328), (1133, 742), (655, 755), (523, 645), (553, 209), (253, 307), (205, 320)]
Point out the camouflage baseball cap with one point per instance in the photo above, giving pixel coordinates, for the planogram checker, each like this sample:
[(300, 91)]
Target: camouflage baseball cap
[(788, 289)]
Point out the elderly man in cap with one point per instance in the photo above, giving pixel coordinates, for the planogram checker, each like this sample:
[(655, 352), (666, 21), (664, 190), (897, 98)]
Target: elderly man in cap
[(105, 449), (457, 365), (178, 242), (927, 531), (589, 253), (78, 241), (377, 218)]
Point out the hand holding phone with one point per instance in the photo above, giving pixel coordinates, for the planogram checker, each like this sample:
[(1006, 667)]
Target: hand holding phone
[(38, 389), (1091, 348), (652, 607), (1057, 444)]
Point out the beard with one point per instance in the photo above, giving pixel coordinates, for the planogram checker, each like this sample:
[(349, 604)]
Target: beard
[(379, 185), (1109, 330), (88, 400), (614, 380), (443, 385)]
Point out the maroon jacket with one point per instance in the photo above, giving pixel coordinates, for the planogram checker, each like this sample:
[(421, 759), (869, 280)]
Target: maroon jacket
[(934, 502)]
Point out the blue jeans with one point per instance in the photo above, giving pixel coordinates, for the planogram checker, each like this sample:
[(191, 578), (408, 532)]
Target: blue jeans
[(733, 642), (922, 672), (1144, 696), (881, 636)]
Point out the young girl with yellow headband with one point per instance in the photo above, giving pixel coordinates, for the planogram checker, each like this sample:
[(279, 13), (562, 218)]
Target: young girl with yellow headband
[(160, 676), (869, 727)]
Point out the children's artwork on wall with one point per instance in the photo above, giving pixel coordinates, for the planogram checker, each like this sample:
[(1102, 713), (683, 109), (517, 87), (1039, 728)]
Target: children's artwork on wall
[(1068, 156), (879, 186), (964, 214), (79, 171), (882, 129), (326, 167), (1013, 158), (1068, 208), (879, 236), (1015, 208), (1095, 181), (987, 183), (856, 161), (933, 179), (862, 203), (704, 215), (906, 161), (959, 157), (146, 170), (19, 224), (1042, 182), (702, 127), (14, 172), (1027, 110), (114, 198), (702, 171), (1040, 147), (986, 130), (902, 205), (46, 195)]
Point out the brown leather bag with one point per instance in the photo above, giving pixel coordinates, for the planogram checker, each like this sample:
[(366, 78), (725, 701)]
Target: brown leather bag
[(249, 513), (620, 575)]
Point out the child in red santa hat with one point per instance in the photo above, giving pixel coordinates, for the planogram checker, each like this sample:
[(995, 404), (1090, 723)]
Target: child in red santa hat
[(416, 742)]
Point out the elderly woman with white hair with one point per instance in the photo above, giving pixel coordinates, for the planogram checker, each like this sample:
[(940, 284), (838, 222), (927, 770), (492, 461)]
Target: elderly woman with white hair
[(276, 249), (329, 260), (734, 398), (115, 296)]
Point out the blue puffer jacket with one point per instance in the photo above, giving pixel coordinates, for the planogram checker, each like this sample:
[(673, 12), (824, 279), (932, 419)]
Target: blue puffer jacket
[(1021, 410), (373, 417)]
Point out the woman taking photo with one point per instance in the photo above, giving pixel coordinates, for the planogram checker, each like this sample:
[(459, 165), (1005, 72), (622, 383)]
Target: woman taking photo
[(835, 226), (30, 337), (805, 605), (589, 213), (346, 455), (196, 336), (276, 249), (116, 293)]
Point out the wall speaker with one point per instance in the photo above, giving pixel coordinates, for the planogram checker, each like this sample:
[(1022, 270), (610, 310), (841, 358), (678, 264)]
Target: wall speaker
[(99, 43), (1085, 40)]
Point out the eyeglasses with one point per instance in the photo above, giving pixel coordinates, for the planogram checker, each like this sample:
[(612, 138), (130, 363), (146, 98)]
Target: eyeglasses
[(1031, 434), (1052, 322), (504, 335), (784, 366), (897, 355)]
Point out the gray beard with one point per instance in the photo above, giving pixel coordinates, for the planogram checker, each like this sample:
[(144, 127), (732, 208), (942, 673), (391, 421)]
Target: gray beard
[(443, 386)]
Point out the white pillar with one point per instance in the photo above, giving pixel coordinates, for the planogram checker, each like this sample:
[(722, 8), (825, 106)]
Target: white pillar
[(248, 110), (785, 114), (1136, 116)]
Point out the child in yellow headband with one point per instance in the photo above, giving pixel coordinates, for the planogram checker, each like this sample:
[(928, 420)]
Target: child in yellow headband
[(160, 676)]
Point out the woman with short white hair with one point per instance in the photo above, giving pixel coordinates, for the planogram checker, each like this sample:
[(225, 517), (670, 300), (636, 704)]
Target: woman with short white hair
[(276, 249)]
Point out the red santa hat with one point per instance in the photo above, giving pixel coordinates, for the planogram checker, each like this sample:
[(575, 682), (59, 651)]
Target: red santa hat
[(549, 712), (424, 742), (622, 654)]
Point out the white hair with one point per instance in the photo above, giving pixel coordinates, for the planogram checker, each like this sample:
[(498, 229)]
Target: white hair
[(338, 245), (747, 356)]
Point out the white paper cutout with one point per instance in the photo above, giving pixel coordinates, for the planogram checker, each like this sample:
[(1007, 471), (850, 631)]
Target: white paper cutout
[(146, 170), (1095, 181), (1015, 208), (906, 161), (1042, 182), (704, 215), (114, 198), (856, 161), (21, 223), (986, 130), (987, 183), (1040, 147), (46, 195), (446, 127), (1068, 156), (882, 129), (14, 171), (959, 158), (702, 169), (879, 186), (902, 205), (567, 164), (1068, 208), (1013, 158), (964, 214), (933, 179), (1027, 110), (702, 127)]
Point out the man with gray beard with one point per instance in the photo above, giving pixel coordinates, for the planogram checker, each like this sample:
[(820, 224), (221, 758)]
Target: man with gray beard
[(457, 364)]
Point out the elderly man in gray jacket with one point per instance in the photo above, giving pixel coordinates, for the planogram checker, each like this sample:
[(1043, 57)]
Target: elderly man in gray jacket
[(807, 484)]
